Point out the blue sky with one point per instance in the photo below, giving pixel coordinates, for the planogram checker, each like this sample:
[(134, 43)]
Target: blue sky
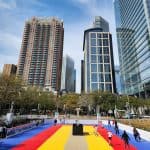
[(77, 15)]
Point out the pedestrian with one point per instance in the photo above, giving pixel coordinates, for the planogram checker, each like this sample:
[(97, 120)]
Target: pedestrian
[(136, 134), (64, 120), (109, 137), (55, 121), (115, 123), (96, 129), (1, 131), (126, 139), (42, 121), (109, 124), (37, 123), (4, 132), (117, 129)]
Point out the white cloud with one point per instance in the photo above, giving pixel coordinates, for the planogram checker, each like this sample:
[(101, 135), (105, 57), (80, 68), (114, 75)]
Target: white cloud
[(7, 5), (9, 42), (9, 52), (91, 7)]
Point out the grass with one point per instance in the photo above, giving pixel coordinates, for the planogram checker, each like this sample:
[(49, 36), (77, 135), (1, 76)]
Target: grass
[(138, 123)]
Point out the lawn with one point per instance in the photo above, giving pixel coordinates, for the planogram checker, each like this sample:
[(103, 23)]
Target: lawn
[(138, 123)]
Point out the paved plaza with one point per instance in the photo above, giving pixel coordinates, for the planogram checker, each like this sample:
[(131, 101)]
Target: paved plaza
[(59, 137)]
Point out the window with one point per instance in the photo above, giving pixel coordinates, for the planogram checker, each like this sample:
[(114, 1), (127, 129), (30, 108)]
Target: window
[(105, 35), (100, 68), (100, 59), (107, 78), (105, 42), (106, 50), (106, 59), (99, 50), (94, 77), (98, 35), (101, 86), (93, 50), (93, 67), (101, 77), (108, 87), (94, 86), (107, 67), (99, 42), (93, 58), (93, 35), (93, 42)]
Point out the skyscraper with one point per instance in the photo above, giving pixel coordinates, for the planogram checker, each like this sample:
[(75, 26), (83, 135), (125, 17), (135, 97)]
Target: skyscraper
[(98, 64), (40, 59), (67, 77), (118, 80), (9, 69), (133, 36)]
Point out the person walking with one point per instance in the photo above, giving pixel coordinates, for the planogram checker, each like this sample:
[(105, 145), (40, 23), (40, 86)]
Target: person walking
[(115, 122), (117, 129), (136, 134), (1, 131), (126, 139), (55, 121), (4, 132), (109, 124)]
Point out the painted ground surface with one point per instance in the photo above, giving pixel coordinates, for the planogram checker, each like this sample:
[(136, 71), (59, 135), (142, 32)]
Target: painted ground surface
[(59, 137)]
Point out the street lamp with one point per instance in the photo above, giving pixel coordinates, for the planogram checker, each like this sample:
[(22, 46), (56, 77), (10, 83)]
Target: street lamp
[(115, 110)]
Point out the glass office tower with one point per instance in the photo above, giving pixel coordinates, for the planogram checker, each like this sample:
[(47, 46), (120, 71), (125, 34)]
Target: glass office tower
[(68, 74), (133, 37), (98, 64)]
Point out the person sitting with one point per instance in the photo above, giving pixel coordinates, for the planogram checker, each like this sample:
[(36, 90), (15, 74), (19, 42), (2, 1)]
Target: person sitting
[(136, 134), (109, 137)]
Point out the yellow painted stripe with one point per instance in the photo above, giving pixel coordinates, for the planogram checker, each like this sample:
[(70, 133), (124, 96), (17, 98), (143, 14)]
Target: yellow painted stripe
[(95, 141), (58, 140)]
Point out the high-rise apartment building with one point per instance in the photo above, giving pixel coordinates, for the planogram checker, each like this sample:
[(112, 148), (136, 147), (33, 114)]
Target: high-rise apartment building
[(9, 69), (98, 64), (40, 59), (67, 77), (133, 36)]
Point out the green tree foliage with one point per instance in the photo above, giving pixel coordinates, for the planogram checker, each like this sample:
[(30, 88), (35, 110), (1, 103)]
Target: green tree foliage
[(70, 101), (27, 98), (105, 100), (9, 89)]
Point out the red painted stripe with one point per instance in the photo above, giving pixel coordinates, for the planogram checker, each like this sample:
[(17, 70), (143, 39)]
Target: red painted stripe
[(34, 142), (117, 143)]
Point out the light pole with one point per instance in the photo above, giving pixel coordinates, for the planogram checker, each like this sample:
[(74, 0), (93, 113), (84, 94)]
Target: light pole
[(115, 110)]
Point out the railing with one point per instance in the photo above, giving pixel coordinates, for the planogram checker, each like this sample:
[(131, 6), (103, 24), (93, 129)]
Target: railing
[(19, 129)]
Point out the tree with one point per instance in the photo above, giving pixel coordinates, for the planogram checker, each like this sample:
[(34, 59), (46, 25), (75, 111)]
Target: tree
[(10, 87), (70, 101)]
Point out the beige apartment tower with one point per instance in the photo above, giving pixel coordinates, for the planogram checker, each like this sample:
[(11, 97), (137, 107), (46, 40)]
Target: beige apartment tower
[(40, 60), (9, 69)]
